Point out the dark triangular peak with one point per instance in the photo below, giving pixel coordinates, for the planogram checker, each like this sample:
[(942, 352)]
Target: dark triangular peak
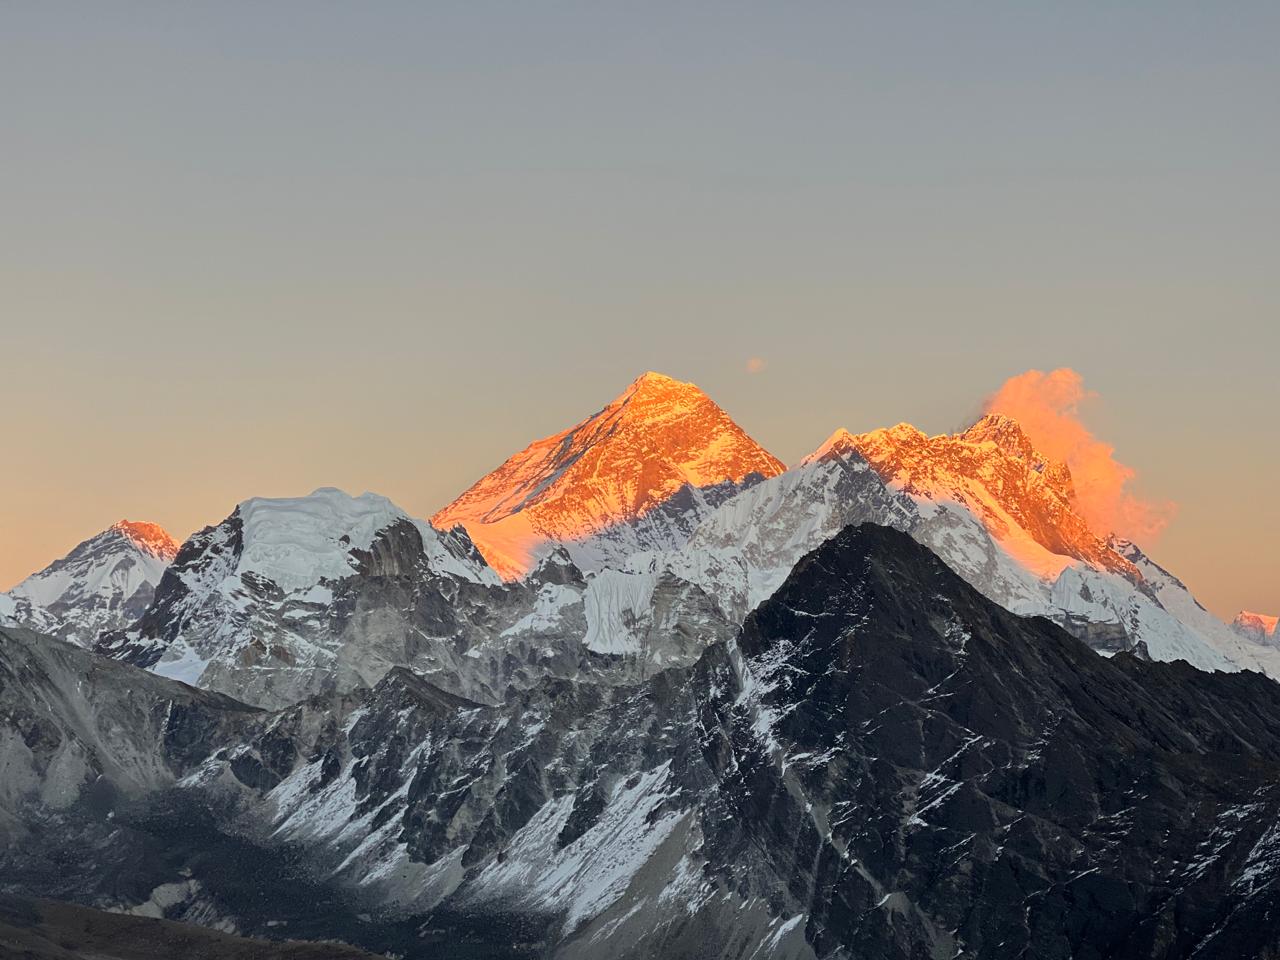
[(993, 778)]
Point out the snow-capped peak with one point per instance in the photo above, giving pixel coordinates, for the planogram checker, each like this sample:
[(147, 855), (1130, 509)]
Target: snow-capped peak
[(1259, 627), (658, 436), (148, 537), (103, 583), (298, 541), (835, 446), (1023, 499)]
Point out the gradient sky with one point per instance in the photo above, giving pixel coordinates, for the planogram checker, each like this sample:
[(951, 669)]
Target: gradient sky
[(252, 249)]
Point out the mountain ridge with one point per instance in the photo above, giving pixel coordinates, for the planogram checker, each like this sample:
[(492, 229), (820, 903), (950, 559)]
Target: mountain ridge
[(102, 583)]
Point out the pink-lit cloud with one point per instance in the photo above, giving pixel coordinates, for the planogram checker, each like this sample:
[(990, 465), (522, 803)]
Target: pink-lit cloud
[(1047, 405), (755, 364)]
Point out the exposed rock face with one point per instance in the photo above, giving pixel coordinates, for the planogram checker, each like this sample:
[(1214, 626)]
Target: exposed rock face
[(635, 476), (882, 763), (1024, 791), (105, 583), (79, 726)]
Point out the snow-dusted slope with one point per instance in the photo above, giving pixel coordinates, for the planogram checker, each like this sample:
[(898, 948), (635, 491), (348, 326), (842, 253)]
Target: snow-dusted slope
[(105, 583), (1025, 502), (1248, 650), (254, 606), (638, 475)]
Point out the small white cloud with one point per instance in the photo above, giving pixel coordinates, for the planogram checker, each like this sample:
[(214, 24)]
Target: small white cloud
[(755, 364)]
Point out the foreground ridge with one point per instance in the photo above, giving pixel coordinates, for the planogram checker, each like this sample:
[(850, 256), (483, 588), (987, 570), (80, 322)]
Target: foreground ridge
[(882, 762)]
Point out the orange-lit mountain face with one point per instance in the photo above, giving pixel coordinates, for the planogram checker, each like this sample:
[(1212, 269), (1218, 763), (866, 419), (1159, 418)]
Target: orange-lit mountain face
[(1025, 500), (1258, 627), (149, 537), (659, 437)]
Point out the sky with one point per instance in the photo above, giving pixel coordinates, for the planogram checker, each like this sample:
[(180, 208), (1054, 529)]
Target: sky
[(253, 249)]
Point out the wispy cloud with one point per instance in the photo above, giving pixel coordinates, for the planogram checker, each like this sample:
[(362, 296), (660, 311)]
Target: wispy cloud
[(755, 364)]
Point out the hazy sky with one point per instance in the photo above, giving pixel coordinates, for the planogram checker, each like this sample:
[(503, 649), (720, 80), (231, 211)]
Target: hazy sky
[(252, 249)]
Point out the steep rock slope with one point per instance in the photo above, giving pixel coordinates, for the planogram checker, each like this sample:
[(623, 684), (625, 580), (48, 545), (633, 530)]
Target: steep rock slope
[(78, 724), (637, 475), (883, 763), (105, 583), (977, 780)]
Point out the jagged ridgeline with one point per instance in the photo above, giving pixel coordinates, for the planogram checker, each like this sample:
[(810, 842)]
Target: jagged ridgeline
[(644, 692)]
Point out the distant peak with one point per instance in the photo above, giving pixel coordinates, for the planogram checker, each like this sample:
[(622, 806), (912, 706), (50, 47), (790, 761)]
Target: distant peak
[(653, 377), (1004, 432), (1259, 625), (899, 433), (659, 385), (657, 437), (839, 443), (655, 397), (150, 537), (904, 429)]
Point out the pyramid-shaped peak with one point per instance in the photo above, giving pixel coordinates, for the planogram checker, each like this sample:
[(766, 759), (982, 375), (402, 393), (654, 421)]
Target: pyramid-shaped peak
[(658, 436), (651, 378), (837, 445), (150, 537), (657, 389)]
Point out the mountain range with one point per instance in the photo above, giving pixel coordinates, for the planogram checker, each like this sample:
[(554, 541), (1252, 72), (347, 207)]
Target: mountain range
[(644, 691)]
